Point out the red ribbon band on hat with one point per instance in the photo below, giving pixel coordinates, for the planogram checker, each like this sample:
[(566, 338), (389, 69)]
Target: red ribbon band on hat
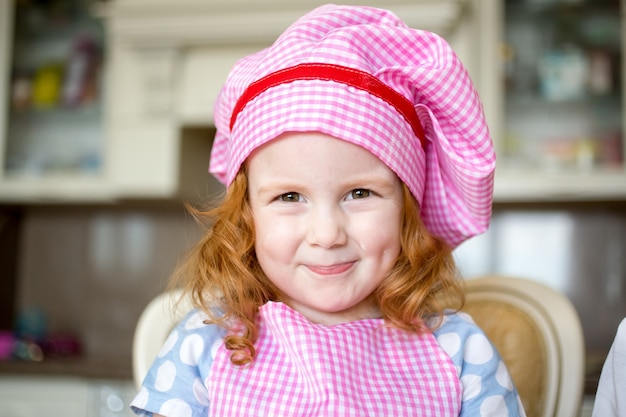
[(350, 76)]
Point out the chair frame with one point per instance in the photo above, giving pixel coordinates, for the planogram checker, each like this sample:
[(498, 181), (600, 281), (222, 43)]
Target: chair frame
[(154, 325), (560, 326)]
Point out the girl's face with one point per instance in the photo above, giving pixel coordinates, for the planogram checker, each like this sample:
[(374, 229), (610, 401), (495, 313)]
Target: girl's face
[(327, 217)]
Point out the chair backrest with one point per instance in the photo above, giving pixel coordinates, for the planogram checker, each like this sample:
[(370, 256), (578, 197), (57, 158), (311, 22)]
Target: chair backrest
[(539, 336), (154, 325)]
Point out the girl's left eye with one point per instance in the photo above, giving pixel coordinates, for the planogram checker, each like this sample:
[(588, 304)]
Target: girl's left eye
[(290, 197), (359, 193)]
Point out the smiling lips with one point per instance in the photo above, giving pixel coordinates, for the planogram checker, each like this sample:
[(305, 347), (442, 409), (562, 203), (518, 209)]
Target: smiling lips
[(331, 269)]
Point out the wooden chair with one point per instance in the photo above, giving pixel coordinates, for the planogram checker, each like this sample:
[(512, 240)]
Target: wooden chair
[(539, 335)]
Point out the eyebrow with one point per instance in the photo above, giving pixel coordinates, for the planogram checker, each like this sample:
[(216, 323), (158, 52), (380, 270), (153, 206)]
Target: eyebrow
[(367, 182), (273, 186)]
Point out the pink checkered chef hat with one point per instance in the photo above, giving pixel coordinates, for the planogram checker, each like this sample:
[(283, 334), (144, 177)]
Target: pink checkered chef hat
[(361, 75)]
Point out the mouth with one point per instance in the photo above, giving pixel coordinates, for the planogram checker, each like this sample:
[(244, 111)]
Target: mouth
[(334, 269)]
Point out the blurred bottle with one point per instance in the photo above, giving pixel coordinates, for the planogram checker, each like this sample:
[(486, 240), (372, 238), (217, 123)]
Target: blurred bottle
[(80, 83)]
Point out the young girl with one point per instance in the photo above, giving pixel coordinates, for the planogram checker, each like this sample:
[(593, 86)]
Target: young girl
[(356, 157)]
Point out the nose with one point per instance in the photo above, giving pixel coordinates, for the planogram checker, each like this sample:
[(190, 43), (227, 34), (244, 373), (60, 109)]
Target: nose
[(327, 227)]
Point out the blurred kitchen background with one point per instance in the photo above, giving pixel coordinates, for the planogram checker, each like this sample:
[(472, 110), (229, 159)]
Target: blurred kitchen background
[(106, 127)]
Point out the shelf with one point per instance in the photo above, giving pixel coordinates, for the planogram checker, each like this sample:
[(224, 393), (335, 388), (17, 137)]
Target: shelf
[(84, 367), (541, 186), (46, 142), (55, 188)]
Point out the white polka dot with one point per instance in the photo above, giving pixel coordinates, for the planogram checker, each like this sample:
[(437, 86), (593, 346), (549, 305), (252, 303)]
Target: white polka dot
[(503, 377), (166, 374), (450, 343), (472, 384), (191, 349), (200, 392), (169, 344), (196, 321), (494, 406), (478, 350), (175, 407), (141, 399)]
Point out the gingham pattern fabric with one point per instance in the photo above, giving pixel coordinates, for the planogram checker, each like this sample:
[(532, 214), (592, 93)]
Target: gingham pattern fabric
[(177, 383), (354, 369), (452, 178)]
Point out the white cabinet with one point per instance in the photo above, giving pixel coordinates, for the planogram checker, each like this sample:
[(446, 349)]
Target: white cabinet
[(51, 136), (6, 23), (556, 99), (68, 138), (56, 396), (168, 60), (26, 397), (164, 65)]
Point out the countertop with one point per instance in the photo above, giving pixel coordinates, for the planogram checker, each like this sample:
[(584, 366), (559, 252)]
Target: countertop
[(85, 367)]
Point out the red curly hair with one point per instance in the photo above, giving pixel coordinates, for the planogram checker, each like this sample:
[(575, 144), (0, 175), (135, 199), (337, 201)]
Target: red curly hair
[(225, 280)]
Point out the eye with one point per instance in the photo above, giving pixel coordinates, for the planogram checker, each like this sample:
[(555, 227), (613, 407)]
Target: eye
[(290, 197), (359, 193)]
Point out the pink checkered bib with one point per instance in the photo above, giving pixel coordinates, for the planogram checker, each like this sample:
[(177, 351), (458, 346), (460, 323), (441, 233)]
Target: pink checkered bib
[(359, 369)]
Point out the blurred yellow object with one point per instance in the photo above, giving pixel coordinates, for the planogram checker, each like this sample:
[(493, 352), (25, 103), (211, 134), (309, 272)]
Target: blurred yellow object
[(47, 86)]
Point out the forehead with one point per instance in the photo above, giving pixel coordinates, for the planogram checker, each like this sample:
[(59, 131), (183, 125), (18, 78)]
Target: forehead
[(315, 160), (297, 148)]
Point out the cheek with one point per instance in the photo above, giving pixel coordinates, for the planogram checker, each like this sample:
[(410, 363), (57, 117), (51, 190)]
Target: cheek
[(381, 239), (273, 239)]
